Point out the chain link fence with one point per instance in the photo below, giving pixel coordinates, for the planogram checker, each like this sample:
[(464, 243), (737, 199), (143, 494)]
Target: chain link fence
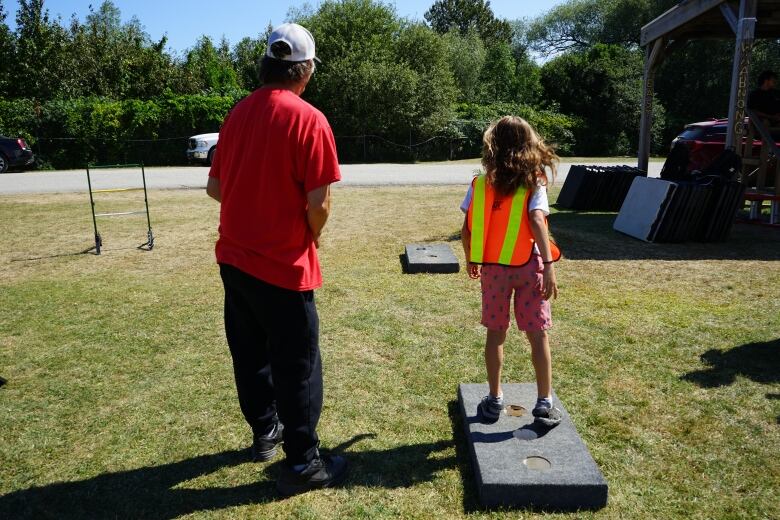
[(75, 152)]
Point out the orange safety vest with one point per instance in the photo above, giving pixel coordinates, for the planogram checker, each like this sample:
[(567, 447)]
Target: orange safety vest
[(500, 228)]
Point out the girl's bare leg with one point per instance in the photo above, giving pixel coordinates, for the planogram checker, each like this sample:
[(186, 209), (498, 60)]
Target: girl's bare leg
[(494, 359), (541, 359)]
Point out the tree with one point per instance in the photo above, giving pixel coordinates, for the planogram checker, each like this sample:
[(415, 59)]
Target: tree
[(527, 88), (425, 54), (352, 27), (379, 75), (209, 68), (246, 57), (41, 57), (7, 45), (580, 24), (602, 86), (527, 85), (467, 15), (115, 60), (466, 56), (498, 73)]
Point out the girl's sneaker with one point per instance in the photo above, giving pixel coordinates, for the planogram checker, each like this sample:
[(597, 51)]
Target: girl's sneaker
[(546, 415), (490, 408)]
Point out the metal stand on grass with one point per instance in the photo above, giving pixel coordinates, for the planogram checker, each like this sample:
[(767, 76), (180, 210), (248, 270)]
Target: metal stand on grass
[(149, 244)]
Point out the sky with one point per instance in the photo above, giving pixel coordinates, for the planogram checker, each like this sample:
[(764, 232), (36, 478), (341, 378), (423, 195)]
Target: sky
[(183, 21)]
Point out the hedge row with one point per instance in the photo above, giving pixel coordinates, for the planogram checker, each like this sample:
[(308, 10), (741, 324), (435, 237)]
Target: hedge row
[(75, 132), (72, 133)]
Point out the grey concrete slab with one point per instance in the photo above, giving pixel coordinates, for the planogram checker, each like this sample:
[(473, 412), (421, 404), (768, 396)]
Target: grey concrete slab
[(430, 258), (520, 464)]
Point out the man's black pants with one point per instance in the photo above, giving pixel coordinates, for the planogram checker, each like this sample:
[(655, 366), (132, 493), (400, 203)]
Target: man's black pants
[(273, 335)]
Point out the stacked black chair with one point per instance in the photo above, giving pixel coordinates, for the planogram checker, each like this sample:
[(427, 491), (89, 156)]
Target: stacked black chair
[(597, 188), (726, 201)]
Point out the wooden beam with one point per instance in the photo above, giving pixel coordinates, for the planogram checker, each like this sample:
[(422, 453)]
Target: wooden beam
[(653, 56), (740, 72), (730, 15), (675, 17)]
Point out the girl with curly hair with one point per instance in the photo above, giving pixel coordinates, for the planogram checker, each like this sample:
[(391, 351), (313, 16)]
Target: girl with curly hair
[(507, 246)]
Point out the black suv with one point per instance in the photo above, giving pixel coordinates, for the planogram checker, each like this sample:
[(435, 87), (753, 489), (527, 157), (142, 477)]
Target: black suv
[(14, 153)]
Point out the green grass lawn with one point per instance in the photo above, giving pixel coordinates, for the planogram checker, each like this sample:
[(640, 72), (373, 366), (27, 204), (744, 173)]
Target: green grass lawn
[(120, 400)]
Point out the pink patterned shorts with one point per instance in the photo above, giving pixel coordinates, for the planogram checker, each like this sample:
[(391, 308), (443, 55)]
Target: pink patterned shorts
[(532, 312)]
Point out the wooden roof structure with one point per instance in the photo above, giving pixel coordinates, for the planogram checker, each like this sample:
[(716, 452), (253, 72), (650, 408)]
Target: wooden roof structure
[(710, 19), (742, 20)]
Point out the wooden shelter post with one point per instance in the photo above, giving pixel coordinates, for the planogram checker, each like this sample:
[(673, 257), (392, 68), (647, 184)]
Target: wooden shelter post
[(746, 27), (652, 59)]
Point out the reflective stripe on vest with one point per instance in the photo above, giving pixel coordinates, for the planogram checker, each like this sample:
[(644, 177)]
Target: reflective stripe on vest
[(478, 220), (516, 214)]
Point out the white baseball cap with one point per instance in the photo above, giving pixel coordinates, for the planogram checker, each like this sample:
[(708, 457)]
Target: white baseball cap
[(297, 37)]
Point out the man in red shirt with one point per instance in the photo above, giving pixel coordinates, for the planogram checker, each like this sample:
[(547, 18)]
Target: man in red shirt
[(272, 174)]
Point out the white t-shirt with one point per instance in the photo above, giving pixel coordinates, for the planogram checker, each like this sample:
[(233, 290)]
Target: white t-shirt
[(538, 200)]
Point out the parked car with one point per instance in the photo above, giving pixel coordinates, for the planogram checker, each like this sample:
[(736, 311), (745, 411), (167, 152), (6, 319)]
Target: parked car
[(14, 153), (706, 140), (202, 147)]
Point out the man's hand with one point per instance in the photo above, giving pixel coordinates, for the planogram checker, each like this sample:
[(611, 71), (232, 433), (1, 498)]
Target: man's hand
[(474, 270), (549, 284), (213, 189)]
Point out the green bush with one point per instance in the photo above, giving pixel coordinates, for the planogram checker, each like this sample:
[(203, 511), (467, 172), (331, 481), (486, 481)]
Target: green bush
[(555, 128), (75, 132)]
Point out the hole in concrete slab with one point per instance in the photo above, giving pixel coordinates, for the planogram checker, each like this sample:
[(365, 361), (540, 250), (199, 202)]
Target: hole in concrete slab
[(515, 410), (537, 463), (421, 248), (434, 256)]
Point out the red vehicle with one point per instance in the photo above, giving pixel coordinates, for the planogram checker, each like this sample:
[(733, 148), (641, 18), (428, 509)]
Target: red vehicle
[(706, 140)]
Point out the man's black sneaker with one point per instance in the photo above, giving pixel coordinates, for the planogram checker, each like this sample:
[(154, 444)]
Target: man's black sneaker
[(547, 416), (322, 472), (264, 446)]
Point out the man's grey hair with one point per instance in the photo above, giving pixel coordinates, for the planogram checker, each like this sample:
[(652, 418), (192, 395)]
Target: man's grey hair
[(277, 70)]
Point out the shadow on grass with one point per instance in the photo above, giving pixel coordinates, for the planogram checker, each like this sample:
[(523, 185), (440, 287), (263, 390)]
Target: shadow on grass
[(452, 237), (153, 492), (589, 236), (58, 255), (759, 362), (88, 251), (139, 493)]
